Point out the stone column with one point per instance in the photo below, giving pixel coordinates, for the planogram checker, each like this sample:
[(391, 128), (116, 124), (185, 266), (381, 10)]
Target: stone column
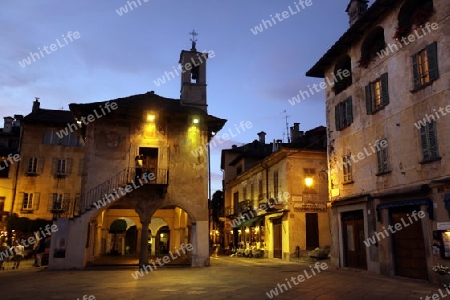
[(145, 208)]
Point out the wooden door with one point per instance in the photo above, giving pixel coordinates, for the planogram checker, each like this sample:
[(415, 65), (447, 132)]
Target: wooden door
[(353, 237), (409, 245), (277, 238), (312, 231)]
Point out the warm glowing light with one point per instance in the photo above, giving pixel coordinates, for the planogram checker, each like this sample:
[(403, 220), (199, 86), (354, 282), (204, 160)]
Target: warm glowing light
[(247, 230), (231, 231), (213, 133), (309, 181), (195, 120), (217, 231), (150, 118), (161, 235), (257, 228), (239, 231), (447, 232)]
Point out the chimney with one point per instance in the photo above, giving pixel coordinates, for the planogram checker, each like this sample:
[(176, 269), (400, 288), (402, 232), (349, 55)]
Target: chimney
[(36, 105), (262, 137), (8, 124), (233, 146), (356, 10)]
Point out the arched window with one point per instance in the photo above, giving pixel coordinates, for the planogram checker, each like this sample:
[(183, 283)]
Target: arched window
[(413, 13), (342, 74), (373, 44)]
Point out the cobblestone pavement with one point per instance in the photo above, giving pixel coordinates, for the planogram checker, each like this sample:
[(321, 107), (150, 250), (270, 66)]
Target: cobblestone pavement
[(227, 278)]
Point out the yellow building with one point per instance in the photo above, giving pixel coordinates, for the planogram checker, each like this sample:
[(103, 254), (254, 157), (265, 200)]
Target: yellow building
[(276, 195), (9, 163), (50, 171), (139, 167), (387, 94)]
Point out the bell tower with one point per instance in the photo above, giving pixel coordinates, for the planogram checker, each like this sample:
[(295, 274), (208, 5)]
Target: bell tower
[(193, 77)]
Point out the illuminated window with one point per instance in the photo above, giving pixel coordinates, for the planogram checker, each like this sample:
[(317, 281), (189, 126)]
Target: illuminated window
[(377, 94), (425, 66)]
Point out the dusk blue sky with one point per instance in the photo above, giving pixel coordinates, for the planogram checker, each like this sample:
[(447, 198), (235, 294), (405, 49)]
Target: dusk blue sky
[(250, 78)]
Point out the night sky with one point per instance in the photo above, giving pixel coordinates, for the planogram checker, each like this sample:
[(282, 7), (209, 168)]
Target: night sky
[(250, 78)]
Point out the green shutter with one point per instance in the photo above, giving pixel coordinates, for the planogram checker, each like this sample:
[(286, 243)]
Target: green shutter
[(368, 99), (336, 117), (384, 89), (416, 79), (424, 142), (432, 140), (349, 110), (433, 61)]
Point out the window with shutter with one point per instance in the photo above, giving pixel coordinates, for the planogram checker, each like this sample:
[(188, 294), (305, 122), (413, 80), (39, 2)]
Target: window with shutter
[(382, 158), (377, 94), (344, 114), (425, 66), (429, 142)]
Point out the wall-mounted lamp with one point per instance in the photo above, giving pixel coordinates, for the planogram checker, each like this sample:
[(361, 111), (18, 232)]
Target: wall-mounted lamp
[(150, 118), (309, 181)]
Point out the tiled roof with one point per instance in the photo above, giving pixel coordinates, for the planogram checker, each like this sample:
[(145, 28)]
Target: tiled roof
[(49, 116)]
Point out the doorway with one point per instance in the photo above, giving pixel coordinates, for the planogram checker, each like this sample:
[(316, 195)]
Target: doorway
[(353, 237), (312, 231), (409, 245), (277, 238), (149, 160)]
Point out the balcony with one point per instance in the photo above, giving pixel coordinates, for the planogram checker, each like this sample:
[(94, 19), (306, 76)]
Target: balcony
[(151, 178)]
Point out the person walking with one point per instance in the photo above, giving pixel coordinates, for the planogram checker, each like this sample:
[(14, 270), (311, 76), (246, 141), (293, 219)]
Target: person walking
[(20, 253), (3, 249), (40, 250)]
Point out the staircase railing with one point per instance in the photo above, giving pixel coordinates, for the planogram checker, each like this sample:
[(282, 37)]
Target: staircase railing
[(120, 180)]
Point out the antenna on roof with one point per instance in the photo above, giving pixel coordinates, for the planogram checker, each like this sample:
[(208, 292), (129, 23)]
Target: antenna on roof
[(287, 127)]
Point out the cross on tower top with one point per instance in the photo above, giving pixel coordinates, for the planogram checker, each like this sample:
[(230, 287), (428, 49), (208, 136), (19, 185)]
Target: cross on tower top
[(193, 40)]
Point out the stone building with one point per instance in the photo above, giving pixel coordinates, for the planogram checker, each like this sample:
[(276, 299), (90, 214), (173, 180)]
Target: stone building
[(139, 167), (387, 90), (9, 163), (276, 195), (49, 177)]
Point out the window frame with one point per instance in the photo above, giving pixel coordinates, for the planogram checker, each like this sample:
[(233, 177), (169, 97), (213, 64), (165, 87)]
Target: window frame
[(371, 106), (382, 154), (347, 169), (344, 114), (430, 151), (432, 70)]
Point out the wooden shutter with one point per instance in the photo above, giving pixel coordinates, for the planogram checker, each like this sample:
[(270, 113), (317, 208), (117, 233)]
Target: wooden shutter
[(424, 142), (368, 99), (349, 110), (433, 61), (416, 74), (50, 201), (54, 166), (36, 198), (432, 140), (25, 161), (20, 201), (40, 165), (337, 117), (68, 165), (384, 89)]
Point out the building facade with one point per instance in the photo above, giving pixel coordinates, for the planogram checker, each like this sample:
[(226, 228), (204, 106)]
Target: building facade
[(9, 164), (276, 196), (139, 167), (386, 105)]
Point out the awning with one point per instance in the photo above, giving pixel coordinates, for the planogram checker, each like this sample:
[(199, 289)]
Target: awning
[(420, 201), (249, 222), (275, 216)]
